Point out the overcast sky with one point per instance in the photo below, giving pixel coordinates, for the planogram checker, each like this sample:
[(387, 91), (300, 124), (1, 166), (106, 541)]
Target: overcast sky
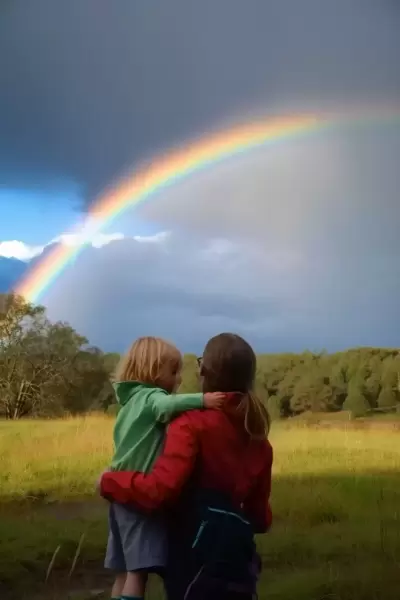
[(295, 245)]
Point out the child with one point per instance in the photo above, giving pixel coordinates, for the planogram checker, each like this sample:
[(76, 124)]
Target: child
[(146, 378)]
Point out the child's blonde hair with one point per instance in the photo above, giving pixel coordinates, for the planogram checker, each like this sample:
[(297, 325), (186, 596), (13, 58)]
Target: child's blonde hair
[(150, 360)]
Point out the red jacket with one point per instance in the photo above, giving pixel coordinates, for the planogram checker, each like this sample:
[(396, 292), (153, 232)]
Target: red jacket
[(226, 460)]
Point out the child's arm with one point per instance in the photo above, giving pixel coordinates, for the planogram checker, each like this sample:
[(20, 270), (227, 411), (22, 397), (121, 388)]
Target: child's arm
[(166, 406)]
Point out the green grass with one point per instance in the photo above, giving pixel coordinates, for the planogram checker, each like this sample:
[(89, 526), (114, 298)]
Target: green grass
[(336, 503)]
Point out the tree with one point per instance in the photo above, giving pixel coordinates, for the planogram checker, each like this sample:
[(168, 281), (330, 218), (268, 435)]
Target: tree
[(387, 398), (45, 368), (261, 388), (110, 362), (390, 373), (190, 375), (274, 406), (312, 392), (86, 385), (16, 317), (356, 402), (20, 374), (338, 382), (373, 388)]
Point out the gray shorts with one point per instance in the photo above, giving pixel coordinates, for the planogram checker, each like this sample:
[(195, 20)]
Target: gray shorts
[(136, 541)]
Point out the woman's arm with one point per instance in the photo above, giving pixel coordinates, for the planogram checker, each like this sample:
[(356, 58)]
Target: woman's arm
[(257, 506), (170, 472)]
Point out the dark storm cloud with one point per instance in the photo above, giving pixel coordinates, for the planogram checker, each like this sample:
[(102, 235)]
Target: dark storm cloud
[(127, 289), (90, 87)]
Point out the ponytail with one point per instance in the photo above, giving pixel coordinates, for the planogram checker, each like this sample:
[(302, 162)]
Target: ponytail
[(257, 421)]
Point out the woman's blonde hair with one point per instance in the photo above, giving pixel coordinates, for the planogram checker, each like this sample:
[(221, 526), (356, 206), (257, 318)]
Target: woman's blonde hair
[(150, 360), (229, 365)]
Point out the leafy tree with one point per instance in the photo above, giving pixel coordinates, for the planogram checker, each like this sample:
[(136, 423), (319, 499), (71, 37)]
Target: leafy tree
[(45, 368), (356, 402), (110, 362), (311, 393), (373, 387), (387, 398), (338, 383), (390, 373), (274, 406), (190, 375), (20, 373)]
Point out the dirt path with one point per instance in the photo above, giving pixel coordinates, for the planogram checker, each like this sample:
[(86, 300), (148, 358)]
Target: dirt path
[(90, 583), (89, 580), (64, 510)]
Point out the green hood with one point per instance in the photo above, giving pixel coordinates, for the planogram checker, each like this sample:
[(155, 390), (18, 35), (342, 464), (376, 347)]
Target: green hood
[(124, 390)]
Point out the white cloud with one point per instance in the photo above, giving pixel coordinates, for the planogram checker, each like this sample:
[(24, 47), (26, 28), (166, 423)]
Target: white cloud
[(25, 252), (19, 250), (96, 240), (157, 238)]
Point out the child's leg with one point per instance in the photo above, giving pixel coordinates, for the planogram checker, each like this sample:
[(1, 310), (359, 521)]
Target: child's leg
[(118, 586), (143, 540), (135, 585), (115, 560)]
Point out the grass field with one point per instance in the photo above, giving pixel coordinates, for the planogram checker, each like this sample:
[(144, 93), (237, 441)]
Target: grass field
[(336, 503)]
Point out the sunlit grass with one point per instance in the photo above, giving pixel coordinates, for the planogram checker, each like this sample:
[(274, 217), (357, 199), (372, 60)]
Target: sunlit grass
[(60, 459), (336, 503)]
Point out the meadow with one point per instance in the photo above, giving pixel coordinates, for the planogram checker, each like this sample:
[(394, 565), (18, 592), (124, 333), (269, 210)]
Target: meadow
[(336, 504)]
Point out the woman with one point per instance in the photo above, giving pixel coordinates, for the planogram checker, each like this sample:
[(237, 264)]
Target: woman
[(214, 477)]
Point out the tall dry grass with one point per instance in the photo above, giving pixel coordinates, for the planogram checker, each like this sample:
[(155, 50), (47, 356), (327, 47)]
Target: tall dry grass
[(59, 458), (63, 458), (335, 498)]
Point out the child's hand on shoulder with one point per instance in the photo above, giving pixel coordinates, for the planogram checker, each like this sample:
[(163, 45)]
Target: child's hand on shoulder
[(214, 400)]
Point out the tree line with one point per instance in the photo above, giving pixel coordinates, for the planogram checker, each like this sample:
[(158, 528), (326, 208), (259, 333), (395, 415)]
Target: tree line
[(49, 370), (360, 381)]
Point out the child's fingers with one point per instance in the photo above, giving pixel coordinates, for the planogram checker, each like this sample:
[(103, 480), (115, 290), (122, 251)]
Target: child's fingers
[(215, 400), (220, 401)]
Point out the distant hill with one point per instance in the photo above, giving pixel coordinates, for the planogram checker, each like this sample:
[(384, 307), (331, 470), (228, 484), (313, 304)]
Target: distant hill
[(11, 270)]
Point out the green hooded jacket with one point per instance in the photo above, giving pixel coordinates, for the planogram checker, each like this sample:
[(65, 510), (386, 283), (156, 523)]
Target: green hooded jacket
[(140, 426)]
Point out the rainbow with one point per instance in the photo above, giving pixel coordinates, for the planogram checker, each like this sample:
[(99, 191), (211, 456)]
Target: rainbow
[(174, 166)]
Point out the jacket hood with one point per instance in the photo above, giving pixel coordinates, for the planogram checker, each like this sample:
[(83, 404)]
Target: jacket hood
[(124, 390)]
